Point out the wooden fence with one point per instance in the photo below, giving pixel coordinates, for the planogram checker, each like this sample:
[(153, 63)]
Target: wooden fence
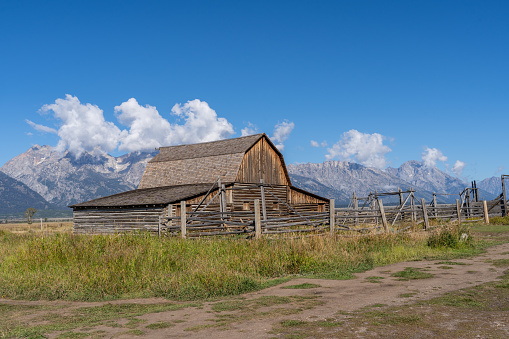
[(337, 221), (212, 223)]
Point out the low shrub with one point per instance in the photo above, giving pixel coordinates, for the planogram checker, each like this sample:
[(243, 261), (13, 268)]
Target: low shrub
[(455, 236)]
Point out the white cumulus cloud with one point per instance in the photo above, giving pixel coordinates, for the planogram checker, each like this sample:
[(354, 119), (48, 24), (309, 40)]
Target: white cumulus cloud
[(282, 131), (458, 167), (364, 148), (430, 156), (41, 128), (250, 129), (147, 128), (83, 126), (201, 124), (314, 144)]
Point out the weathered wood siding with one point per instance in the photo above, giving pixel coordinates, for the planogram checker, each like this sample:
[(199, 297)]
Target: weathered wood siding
[(262, 162), (104, 221)]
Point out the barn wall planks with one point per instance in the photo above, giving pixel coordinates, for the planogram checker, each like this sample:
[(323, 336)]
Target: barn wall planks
[(104, 221), (262, 162)]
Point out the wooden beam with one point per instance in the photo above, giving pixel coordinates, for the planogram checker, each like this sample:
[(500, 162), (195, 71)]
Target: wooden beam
[(425, 214), (458, 211), (258, 223), (264, 207), (504, 212), (183, 221), (485, 210), (384, 219), (332, 216)]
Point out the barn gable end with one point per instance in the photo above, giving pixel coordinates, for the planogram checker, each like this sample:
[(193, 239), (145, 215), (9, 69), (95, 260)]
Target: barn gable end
[(263, 161)]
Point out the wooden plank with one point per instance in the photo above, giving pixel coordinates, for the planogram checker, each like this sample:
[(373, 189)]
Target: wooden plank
[(485, 211), (264, 207), (458, 210), (332, 215), (183, 220), (258, 225), (384, 220), (504, 200), (425, 214)]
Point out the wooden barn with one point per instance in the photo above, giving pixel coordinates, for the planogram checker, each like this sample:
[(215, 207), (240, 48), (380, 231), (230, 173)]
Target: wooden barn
[(222, 176)]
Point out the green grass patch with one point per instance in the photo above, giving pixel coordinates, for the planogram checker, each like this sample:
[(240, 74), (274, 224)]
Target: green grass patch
[(159, 324), (411, 273), (374, 279), (237, 305), (106, 315), (445, 267), (302, 286), (385, 318), (406, 295), (292, 323), (108, 267), (499, 221), (73, 335), (500, 262), (451, 263)]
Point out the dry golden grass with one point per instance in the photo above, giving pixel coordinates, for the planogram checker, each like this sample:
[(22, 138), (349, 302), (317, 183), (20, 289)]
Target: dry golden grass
[(35, 227)]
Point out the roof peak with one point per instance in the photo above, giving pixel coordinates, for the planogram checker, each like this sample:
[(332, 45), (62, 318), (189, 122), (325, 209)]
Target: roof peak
[(207, 149), (253, 136)]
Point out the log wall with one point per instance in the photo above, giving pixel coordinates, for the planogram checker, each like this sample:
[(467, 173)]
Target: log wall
[(111, 221)]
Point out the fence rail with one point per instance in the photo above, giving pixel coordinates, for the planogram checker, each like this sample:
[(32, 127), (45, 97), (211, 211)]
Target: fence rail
[(377, 218)]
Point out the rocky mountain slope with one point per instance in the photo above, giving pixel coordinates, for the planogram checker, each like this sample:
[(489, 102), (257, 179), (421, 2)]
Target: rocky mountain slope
[(16, 197), (432, 179), (63, 180), (492, 185)]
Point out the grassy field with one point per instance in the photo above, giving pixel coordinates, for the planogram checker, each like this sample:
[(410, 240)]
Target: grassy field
[(35, 265), (480, 311), (35, 227)]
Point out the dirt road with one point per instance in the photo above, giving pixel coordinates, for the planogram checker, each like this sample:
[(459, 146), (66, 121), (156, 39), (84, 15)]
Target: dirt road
[(309, 308)]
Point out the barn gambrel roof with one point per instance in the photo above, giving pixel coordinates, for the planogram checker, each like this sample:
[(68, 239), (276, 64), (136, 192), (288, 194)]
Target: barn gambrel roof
[(202, 162)]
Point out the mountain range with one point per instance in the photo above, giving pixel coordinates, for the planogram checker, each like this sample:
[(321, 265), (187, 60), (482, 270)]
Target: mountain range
[(62, 179), (16, 197)]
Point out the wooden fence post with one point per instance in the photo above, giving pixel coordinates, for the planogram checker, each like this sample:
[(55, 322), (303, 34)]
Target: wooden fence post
[(332, 215), (425, 214), (41, 225), (258, 223), (435, 205), (264, 207), (384, 219), (485, 209), (458, 211), (183, 221), (159, 227), (355, 208), (504, 198)]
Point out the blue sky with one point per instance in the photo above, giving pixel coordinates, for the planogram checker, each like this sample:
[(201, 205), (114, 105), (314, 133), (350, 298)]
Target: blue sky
[(383, 80)]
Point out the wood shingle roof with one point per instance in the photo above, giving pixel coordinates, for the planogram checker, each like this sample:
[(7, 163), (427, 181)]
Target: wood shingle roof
[(206, 149), (149, 196)]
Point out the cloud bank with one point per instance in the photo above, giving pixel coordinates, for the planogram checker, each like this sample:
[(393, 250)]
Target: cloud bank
[(83, 127), (366, 149)]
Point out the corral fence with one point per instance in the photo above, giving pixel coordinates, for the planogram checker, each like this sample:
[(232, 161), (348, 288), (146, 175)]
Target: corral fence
[(375, 218), (252, 223)]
